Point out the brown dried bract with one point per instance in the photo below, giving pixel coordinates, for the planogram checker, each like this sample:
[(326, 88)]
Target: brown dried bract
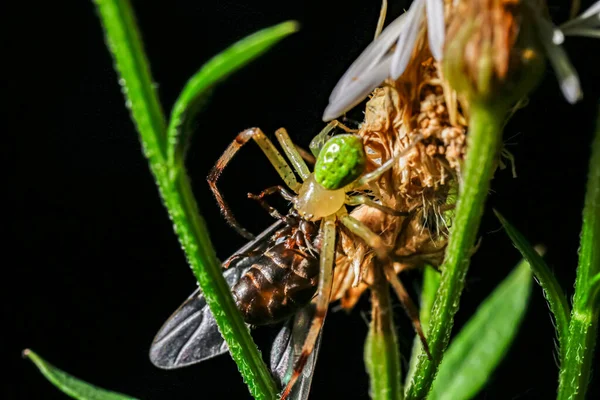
[(419, 104)]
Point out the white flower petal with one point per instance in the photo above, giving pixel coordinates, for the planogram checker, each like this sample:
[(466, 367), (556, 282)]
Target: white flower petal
[(592, 33), (356, 91), (565, 72), (594, 9), (588, 20), (360, 79), (571, 88), (370, 56), (407, 39), (436, 27)]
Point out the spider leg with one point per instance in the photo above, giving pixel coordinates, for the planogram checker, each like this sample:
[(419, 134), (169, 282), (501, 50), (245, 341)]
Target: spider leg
[(377, 173), (318, 141), (407, 303), (308, 157), (376, 243), (276, 159), (372, 239), (268, 191), (321, 302), (362, 199), (292, 153)]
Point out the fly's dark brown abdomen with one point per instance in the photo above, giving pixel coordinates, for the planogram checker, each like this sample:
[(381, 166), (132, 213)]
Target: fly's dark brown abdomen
[(279, 283)]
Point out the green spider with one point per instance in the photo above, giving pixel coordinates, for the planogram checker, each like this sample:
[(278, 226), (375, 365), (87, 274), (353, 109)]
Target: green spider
[(322, 196)]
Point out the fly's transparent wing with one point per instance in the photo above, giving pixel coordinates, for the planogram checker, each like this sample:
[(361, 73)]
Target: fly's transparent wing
[(191, 334), (286, 350)]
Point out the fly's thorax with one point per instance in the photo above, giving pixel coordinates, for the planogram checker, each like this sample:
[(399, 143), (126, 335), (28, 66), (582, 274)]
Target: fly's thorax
[(340, 162), (314, 202)]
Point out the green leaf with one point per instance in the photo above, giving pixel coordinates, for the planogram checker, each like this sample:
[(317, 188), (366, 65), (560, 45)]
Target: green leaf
[(593, 296), (482, 343), (557, 301), (215, 70), (70, 385), (381, 353), (125, 44)]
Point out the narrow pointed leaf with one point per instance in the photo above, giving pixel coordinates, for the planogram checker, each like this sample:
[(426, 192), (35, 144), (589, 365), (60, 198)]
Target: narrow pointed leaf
[(482, 343), (70, 385), (593, 297), (125, 44), (215, 70), (557, 301), (381, 354)]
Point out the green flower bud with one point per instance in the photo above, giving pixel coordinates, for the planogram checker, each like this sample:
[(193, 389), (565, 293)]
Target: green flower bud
[(492, 53)]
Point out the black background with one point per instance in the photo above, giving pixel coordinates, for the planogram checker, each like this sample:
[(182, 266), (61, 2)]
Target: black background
[(95, 268)]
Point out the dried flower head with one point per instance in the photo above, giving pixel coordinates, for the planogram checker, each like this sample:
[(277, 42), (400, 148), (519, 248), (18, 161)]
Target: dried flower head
[(417, 106)]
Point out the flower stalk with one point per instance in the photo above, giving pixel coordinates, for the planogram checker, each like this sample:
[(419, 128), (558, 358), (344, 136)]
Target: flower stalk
[(583, 327), (485, 133)]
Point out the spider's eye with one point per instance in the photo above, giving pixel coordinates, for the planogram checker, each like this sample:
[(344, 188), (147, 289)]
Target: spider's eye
[(341, 161)]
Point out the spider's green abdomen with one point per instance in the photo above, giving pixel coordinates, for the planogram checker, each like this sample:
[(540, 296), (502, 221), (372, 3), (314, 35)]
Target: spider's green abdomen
[(341, 161)]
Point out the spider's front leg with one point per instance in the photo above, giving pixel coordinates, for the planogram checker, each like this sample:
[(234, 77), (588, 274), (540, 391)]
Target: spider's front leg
[(321, 302), (319, 140), (362, 199), (409, 306), (283, 169), (386, 166)]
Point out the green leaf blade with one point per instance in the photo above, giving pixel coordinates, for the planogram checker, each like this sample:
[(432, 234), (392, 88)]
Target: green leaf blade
[(215, 70), (381, 352), (71, 386), (481, 344), (125, 44), (557, 301)]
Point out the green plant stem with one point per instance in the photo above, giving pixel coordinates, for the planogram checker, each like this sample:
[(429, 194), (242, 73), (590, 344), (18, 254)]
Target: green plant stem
[(485, 134), (124, 42), (382, 357), (583, 328), (431, 282)]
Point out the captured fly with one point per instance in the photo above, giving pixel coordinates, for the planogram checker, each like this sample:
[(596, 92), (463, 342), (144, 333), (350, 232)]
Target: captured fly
[(294, 269), (273, 279)]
